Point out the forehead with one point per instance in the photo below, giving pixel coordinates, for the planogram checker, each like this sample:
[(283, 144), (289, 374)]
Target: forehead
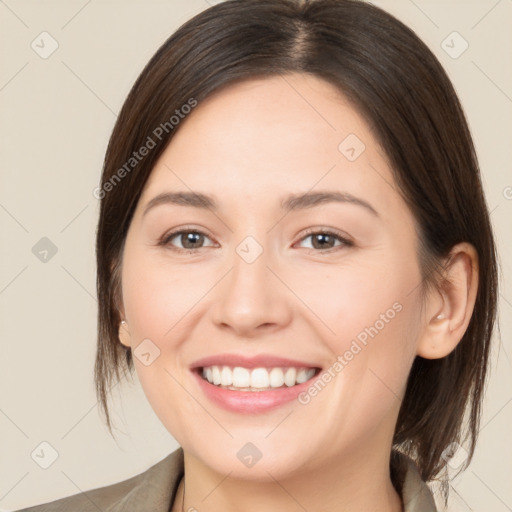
[(286, 133), (280, 116)]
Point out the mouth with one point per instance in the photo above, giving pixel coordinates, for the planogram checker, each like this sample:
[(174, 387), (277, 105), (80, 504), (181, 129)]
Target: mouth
[(252, 384), (239, 378)]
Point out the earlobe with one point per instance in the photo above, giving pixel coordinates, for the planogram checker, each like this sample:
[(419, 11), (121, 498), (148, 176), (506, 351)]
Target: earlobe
[(124, 334), (449, 311)]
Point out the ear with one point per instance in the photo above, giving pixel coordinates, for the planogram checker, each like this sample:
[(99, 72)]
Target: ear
[(449, 308), (124, 334)]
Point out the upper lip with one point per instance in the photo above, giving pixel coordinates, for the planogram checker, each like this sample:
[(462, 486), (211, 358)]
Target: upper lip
[(259, 361)]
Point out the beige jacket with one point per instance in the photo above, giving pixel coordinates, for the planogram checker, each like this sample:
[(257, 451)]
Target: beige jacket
[(154, 491)]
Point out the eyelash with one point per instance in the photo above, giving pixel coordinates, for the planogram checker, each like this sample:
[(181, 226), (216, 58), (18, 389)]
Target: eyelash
[(345, 242)]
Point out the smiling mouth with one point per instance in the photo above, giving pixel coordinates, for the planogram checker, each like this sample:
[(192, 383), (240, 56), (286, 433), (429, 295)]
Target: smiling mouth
[(238, 378)]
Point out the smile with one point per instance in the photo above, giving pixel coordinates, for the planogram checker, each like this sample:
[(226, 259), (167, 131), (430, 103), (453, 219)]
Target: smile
[(239, 378)]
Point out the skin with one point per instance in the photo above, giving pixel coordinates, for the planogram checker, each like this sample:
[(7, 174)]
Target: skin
[(249, 146)]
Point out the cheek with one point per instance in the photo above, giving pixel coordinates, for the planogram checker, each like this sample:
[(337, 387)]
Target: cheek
[(156, 299), (373, 350), (162, 303), (157, 296), (356, 300), (373, 316)]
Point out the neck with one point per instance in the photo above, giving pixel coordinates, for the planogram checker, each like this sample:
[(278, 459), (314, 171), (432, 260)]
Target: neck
[(359, 482)]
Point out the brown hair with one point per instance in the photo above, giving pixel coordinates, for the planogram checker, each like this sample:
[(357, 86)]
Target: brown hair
[(401, 89)]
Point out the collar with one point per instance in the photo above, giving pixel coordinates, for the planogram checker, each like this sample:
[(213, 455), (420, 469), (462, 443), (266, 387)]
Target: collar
[(416, 495), (159, 484)]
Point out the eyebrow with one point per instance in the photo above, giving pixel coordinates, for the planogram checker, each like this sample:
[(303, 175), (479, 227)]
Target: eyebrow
[(292, 202)]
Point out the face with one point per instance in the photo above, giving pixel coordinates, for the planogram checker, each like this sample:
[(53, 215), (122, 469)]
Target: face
[(320, 291)]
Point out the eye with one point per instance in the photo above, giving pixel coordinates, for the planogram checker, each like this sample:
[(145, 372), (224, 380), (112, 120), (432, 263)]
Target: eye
[(194, 239), (190, 239), (324, 240)]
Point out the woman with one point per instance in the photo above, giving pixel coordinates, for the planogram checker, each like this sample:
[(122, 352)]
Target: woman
[(295, 254)]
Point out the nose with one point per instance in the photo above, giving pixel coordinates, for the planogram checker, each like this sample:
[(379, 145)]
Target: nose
[(252, 299)]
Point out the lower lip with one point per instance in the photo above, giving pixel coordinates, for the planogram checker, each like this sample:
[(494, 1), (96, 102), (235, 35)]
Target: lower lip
[(251, 401)]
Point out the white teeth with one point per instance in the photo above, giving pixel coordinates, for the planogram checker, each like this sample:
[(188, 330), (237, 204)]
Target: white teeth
[(241, 377), (290, 377), (226, 376), (260, 378), (257, 379), (276, 377), (302, 376), (216, 375)]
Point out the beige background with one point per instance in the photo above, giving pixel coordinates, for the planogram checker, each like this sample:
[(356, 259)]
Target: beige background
[(57, 115)]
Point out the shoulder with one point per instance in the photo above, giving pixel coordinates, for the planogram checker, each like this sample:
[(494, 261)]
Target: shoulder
[(155, 487)]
